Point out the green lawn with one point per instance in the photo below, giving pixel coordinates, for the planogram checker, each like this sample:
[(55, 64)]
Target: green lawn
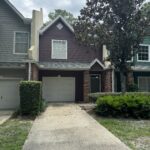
[(13, 133), (134, 133)]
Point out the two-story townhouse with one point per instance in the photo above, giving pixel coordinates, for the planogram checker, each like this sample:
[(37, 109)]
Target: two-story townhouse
[(69, 71), (140, 74), (15, 32), (29, 50), (141, 68)]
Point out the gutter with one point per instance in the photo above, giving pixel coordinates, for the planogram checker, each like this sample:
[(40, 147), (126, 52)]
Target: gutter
[(29, 71), (113, 83)]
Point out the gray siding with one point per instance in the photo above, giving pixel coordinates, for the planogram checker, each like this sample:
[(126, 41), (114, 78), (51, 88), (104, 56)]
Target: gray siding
[(13, 73), (9, 23), (147, 42)]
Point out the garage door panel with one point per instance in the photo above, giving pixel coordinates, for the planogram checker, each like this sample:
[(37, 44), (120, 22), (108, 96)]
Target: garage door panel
[(57, 89), (9, 94)]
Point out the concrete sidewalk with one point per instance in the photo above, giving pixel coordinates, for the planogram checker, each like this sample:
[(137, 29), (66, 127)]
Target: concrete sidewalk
[(67, 127), (5, 115)]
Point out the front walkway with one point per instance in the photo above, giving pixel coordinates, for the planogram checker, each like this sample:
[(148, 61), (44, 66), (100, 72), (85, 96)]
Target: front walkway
[(67, 127)]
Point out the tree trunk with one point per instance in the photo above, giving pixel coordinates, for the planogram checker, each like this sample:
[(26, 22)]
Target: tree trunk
[(123, 82)]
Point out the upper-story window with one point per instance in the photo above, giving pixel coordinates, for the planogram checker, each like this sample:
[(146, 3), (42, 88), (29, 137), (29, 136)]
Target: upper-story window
[(59, 49), (21, 42), (144, 53)]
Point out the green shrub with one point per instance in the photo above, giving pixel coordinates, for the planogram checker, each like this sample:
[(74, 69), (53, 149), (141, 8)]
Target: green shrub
[(127, 105), (30, 98), (94, 96)]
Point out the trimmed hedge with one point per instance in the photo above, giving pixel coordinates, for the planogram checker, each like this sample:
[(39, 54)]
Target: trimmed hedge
[(94, 96), (31, 102), (127, 105)]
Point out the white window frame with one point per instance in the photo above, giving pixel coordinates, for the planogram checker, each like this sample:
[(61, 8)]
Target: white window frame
[(14, 44), (148, 54), (52, 50), (141, 77)]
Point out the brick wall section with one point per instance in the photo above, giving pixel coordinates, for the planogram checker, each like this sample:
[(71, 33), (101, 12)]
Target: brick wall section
[(86, 85), (107, 81), (130, 79), (34, 72)]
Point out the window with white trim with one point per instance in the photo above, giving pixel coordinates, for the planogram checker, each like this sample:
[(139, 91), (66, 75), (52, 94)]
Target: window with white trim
[(144, 84), (59, 49), (144, 53), (21, 42)]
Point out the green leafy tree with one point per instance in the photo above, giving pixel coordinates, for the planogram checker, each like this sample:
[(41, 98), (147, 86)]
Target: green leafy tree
[(119, 24), (59, 12)]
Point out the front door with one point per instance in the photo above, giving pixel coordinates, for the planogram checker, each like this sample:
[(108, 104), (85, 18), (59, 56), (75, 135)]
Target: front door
[(95, 83)]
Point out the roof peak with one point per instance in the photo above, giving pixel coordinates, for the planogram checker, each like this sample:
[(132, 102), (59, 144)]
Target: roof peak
[(26, 20), (55, 20)]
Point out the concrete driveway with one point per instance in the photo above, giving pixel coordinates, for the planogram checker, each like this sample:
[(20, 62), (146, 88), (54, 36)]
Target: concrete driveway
[(67, 127)]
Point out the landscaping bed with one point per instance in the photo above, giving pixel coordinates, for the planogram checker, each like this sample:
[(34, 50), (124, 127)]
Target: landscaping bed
[(125, 116), (133, 105), (14, 132)]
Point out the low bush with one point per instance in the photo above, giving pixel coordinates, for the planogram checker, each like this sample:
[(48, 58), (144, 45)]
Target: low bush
[(94, 96), (127, 105), (31, 102)]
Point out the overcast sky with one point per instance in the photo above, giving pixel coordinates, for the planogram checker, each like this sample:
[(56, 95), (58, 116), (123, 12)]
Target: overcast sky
[(26, 6)]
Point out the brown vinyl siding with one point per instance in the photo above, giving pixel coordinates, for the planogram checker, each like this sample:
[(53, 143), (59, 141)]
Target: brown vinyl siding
[(76, 52)]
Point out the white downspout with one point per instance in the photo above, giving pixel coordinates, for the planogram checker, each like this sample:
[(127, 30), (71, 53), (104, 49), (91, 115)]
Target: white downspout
[(29, 71), (113, 83)]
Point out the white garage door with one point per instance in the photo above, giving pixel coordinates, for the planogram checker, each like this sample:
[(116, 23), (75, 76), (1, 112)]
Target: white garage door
[(9, 94), (59, 89)]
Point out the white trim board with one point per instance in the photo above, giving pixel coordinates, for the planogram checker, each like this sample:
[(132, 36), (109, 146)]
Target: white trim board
[(97, 61)]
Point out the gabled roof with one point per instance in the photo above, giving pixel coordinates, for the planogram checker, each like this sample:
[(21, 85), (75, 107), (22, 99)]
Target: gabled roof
[(96, 61), (55, 20), (26, 20)]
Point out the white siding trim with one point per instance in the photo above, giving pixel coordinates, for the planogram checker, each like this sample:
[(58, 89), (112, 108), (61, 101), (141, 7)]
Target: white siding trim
[(97, 61), (113, 81), (14, 42)]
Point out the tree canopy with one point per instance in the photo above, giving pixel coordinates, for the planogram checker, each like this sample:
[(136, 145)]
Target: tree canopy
[(59, 12), (119, 24)]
